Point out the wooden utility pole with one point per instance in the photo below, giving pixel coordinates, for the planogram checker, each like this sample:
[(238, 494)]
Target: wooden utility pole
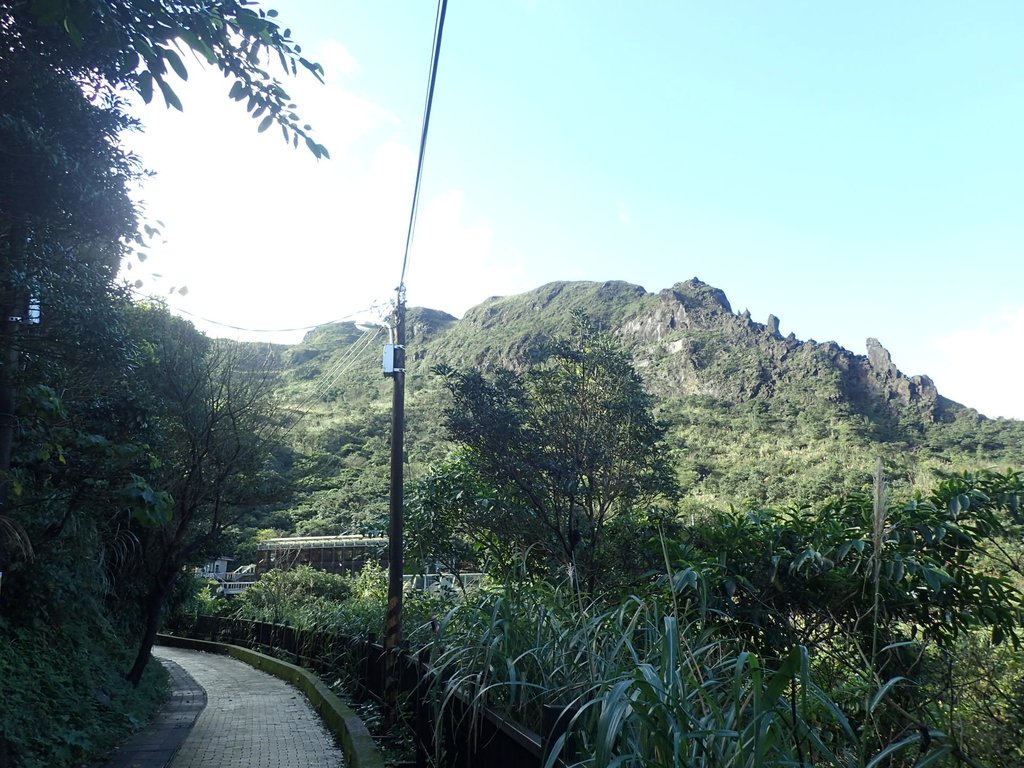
[(393, 627), (394, 366)]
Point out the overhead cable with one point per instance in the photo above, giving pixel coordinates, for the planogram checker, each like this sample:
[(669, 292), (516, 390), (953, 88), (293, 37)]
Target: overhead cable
[(326, 380), (349, 316), (442, 8)]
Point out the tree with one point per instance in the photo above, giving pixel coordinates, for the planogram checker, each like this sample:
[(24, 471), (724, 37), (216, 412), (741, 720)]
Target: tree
[(458, 521), (887, 592), (570, 444), (87, 461), (108, 46), (213, 418), (64, 213), (66, 219)]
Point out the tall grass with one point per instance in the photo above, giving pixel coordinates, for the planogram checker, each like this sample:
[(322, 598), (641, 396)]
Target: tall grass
[(648, 683)]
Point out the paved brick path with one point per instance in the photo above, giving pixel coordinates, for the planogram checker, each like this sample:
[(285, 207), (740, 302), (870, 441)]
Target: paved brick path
[(251, 719), (157, 745)]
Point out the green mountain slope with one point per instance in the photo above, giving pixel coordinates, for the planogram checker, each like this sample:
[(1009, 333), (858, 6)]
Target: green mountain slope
[(754, 418)]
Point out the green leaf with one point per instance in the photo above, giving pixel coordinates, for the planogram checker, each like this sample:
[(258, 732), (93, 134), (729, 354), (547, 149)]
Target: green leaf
[(170, 97), (73, 33), (321, 152), (237, 91), (146, 86), (782, 677), (935, 756), (176, 65), (898, 746), (265, 123), (198, 45), (935, 577), (882, 692)]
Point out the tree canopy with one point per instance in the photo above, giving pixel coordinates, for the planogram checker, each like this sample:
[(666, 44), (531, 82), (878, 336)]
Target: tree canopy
[(128, 441), (567, 445), (105, 47)]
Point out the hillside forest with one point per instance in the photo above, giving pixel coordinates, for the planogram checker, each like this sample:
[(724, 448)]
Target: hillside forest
[(720, 545)]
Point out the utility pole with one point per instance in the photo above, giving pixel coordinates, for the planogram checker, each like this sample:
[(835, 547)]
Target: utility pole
[(394, 366)]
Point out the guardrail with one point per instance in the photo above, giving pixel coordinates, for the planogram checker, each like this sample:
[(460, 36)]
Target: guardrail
[(469, 737), (233, 587)]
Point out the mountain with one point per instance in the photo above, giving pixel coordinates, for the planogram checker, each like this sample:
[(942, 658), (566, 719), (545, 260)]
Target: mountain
[(754, 417)]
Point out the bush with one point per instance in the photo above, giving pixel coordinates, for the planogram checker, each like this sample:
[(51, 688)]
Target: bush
[(293, 596), (64, 698)]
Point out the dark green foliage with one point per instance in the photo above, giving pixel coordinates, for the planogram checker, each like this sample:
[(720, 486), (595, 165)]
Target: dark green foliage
[(212, 426), (880, 591), (459, 521), (934, 568), (350, 605), (292, 595), (64, 697), (136, 45), (568, 446), (89, 459)]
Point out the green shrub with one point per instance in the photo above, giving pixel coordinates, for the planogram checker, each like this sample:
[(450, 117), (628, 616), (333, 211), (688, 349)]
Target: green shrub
[(65, 699)]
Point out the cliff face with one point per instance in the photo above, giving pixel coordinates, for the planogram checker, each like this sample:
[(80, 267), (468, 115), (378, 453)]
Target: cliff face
[(693, 343), (688, 341)]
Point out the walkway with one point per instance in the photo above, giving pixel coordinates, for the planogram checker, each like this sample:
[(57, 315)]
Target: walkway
[(251, 720)]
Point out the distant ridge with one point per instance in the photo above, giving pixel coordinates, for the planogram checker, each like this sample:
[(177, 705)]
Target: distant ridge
[(754, 417)]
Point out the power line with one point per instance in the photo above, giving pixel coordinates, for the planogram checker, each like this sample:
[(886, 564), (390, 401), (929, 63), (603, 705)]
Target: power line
[(338, 370), (435, 55), (349, 316), (335, 372)]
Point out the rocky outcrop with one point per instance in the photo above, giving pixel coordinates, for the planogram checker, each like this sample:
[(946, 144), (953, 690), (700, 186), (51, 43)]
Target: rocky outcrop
[(424, 324), (688, 340), (893, 385)]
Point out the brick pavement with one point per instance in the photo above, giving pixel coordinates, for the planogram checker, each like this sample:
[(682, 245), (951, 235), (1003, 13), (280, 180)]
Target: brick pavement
[(157, 745), (251, 719)]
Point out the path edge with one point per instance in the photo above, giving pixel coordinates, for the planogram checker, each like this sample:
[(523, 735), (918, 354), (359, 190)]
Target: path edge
[(356, 742)]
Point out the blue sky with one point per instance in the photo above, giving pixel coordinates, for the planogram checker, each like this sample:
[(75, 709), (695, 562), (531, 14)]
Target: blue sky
[(855, 169)]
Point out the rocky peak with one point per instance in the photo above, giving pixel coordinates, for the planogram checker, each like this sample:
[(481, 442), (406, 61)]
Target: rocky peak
[(695, 293), (880, 361), (891, 383), (425, 323)]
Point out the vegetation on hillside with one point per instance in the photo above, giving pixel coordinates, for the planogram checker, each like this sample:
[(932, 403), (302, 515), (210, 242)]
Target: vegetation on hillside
[(570, 453), (751, 418), (686, 532), (867, 631), (845, 623)]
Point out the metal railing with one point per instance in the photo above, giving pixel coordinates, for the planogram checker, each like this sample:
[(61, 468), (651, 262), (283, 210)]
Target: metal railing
[(468, 736), (321, 542), (229, 588)]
